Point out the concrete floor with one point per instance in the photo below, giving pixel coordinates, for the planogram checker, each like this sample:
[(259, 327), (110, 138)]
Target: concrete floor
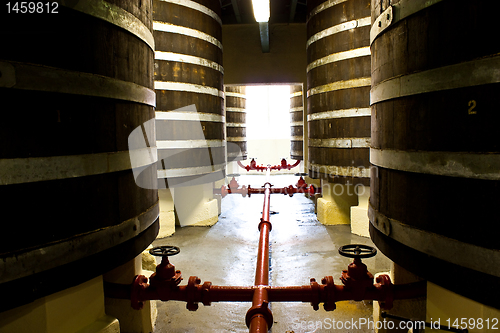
[(225, 254)]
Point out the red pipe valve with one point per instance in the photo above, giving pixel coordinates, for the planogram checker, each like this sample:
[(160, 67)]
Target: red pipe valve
[(386, 287), (359, 281), (301, 183), (165, 280), (165, 271), (356, 278), (233, 184)]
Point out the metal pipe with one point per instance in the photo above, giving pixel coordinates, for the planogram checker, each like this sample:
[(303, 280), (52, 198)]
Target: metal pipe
[(259, 316), (262, 267), (208, 293), (248, 190)]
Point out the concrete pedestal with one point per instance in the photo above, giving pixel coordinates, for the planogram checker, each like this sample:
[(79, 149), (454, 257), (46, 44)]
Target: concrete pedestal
[(188, 206), (335, 204), (446, 307), (408, 308), (218, 197), (195, 205), (233, 168), (131, 321), (360, 224), (79, 309), (167, 213)]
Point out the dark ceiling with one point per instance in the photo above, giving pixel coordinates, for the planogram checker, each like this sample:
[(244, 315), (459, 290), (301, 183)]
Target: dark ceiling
[(282, 11)]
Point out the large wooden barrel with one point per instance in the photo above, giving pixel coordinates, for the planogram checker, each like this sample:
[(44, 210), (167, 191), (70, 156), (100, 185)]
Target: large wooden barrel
[(189, 92), (236, 123), (338, 90), (73, 86), (436, 179), (296, 122)]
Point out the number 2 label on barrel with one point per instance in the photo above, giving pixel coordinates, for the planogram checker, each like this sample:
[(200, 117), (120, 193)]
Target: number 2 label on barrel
[(472, 106)]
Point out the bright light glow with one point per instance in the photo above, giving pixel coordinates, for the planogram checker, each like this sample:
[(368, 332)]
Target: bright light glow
[(268, 112), (268, 123), (261, 10)]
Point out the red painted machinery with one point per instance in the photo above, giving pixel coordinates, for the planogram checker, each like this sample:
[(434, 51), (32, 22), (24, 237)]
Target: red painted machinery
[(357, 283), (253, 166)]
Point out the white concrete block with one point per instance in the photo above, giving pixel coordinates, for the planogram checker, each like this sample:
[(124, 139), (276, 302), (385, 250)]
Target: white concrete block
[(79, 309)]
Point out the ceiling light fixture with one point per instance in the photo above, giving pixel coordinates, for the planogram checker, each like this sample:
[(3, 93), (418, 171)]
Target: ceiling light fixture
[(261, 10)]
